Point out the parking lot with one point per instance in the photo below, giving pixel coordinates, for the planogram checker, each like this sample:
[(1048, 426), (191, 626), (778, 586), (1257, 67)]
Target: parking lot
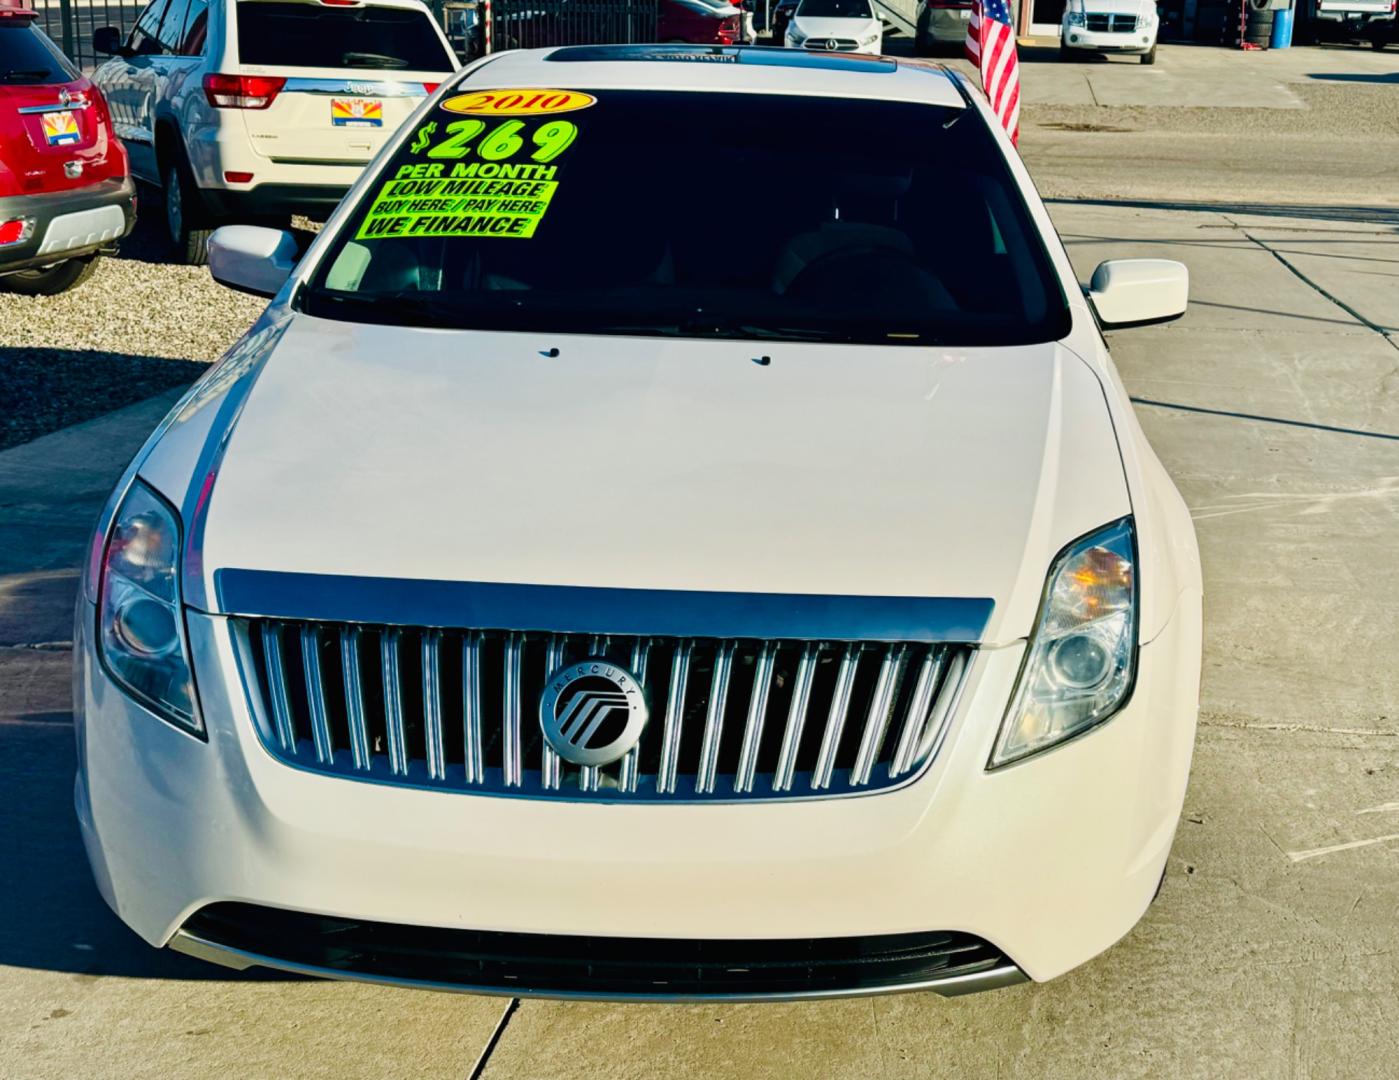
[(1273, 950)]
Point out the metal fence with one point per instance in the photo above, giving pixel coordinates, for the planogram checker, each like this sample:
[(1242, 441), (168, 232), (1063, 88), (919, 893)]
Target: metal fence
[(532, 24), (472, 26), (71, 23)]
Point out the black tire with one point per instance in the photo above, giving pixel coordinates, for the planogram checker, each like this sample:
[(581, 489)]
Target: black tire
[(50, 280), (186, 221), (1150, 57), (1378, 43)]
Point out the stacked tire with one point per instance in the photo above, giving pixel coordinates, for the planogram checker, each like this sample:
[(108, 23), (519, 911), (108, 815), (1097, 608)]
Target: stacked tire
[(1258, 23)]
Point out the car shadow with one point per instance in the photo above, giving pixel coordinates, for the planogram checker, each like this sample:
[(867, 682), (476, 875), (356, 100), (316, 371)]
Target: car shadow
[(45, 389), (1385, 216), (51, 916), (1354, 77), (150, 243)]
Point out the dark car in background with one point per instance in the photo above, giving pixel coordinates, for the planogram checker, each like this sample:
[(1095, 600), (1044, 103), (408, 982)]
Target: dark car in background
[(781, 16), (942, 26), (698, 22), (66, 194)]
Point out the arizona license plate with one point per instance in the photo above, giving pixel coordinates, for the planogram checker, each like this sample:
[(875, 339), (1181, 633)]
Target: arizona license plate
[(61, 128), (356, 112)]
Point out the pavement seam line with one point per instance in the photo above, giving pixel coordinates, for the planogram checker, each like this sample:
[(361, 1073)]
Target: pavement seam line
[(1384, 334), (486, 1051)]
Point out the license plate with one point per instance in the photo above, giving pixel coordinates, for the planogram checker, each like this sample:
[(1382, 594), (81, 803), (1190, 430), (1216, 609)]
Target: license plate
[(356, 112), (61, 128)]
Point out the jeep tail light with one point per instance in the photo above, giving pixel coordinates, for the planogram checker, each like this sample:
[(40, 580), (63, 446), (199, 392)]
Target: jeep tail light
[(431, 87), (15, 230), (241, 91)]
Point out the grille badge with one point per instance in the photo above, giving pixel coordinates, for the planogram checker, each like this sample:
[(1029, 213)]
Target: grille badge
[(592, 712)]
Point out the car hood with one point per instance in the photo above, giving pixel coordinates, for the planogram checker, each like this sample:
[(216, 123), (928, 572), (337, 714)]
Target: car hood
[(829, 28), (1112, 7), (645, 463)]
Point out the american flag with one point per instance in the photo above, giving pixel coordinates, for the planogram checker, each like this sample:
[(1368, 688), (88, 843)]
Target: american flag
[(991, 47)]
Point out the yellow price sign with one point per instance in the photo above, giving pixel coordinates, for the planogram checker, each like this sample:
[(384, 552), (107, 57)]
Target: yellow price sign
[(527, 102)]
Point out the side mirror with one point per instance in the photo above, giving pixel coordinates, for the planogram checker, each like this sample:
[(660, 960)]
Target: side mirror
[(252, 259), (106, 41), (1138, 292)]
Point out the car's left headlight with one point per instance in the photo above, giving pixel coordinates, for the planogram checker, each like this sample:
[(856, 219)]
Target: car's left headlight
[(141, 636), (870, 39), (1082, 660)]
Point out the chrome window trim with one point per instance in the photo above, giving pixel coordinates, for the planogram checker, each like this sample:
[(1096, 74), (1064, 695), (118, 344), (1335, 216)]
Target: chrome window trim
[(576, 609), (239, 959)]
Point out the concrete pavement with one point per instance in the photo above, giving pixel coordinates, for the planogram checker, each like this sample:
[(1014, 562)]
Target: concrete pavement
[(1313, 126)]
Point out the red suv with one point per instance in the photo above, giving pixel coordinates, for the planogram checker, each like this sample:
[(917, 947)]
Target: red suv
[(66, 193)]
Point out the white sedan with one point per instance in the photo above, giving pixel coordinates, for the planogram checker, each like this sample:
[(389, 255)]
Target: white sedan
[(836, 26), (545, 597)]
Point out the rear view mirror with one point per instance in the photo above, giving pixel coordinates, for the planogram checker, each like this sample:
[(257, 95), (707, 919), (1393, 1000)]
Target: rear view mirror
[(1138, 292), (252, 259), (107, 42)]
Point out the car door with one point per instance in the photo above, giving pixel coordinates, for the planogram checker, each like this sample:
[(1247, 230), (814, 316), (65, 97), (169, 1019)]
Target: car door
[(181, 45), (133, 91)]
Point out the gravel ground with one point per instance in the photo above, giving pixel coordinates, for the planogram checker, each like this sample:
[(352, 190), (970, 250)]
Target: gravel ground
[(138, 326)]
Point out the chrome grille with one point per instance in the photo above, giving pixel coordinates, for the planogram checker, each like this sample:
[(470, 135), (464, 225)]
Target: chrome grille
[(730, 719), (831, 44), (1104, 23)]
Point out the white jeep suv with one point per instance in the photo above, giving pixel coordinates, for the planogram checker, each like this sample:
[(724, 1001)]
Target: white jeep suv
[(1109, 26), (258, 109)]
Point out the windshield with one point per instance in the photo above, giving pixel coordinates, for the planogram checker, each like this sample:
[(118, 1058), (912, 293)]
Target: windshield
[(834, 9), (313, 35), (634, 212), (27, 56)]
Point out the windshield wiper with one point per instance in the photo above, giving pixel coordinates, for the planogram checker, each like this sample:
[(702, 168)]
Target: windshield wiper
[(730, 328), (412, 308), (369, 59)]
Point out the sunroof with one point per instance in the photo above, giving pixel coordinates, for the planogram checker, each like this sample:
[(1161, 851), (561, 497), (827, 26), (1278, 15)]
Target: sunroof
[(719, 54)]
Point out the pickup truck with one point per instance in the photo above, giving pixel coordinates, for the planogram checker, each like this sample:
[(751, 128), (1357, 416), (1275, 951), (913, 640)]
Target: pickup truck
[(1346, 20)]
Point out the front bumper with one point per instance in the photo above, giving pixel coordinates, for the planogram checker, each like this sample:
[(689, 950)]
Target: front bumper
[(1138, 41), (276, 188), (69, 224), (1050, 861)]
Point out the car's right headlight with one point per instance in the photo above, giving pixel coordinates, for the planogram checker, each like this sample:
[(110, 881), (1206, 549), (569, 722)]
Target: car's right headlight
[(1081, 662), (141, 637), (1076, 18), (795, 37)]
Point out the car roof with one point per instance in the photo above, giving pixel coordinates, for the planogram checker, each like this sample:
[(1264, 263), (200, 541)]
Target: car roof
[(722, 69)]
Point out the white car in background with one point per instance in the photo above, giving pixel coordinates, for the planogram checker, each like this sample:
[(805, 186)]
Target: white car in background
[(1128, 27), (542, 598), (836, 26), (247, 110)]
